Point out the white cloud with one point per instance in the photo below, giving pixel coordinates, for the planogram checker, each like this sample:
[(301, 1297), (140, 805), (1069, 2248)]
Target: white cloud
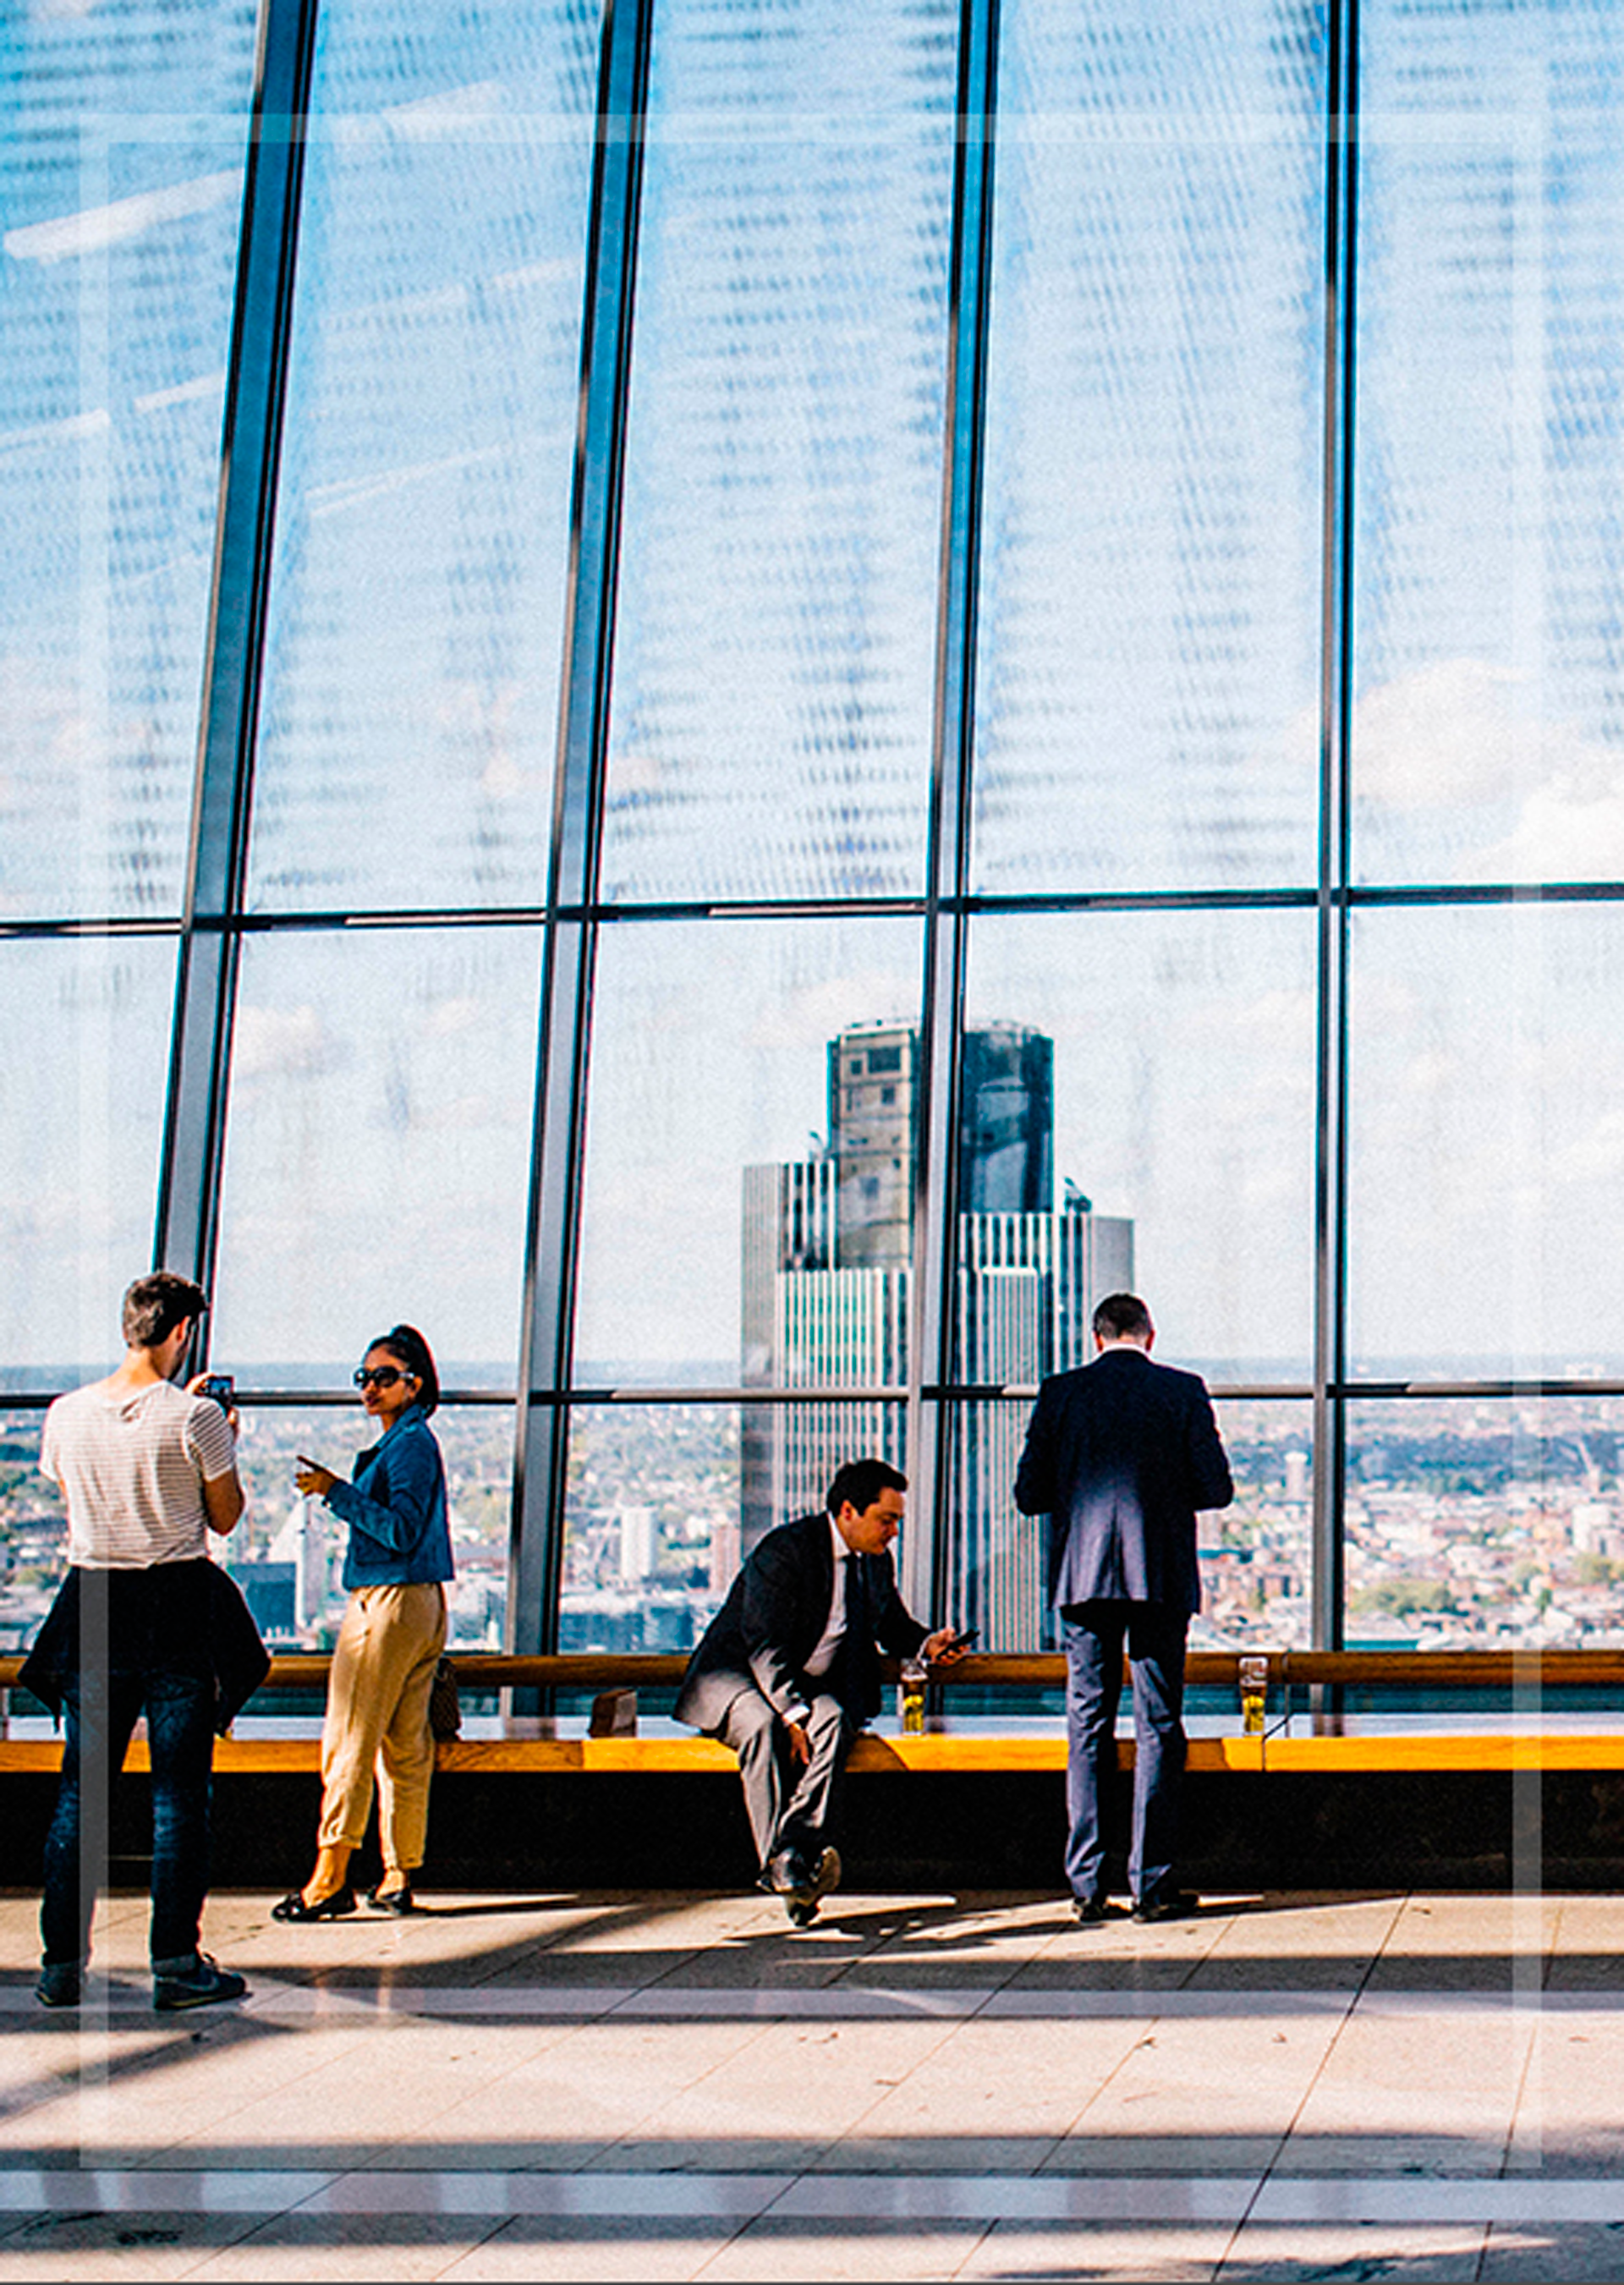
[(269, 1041), (1466, 733), (448, 111), (1445, 734), (96, 228), (1563, 832)]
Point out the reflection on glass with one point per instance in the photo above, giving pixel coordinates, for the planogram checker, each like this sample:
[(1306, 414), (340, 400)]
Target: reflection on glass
[(288, 1553), (1255, 1555), (1487, 1142), (1485, 1523), (1151, 593), (1183, 1053), (377, 1151), (1489, 655), (772, 720), (33, 1533), (748, 1190), (121, 183), (81, 1096), (423, 529), (665, 1502)]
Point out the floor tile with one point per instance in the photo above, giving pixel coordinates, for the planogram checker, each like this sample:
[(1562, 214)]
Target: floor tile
[(834, 2250), (1165, 2105), (336, 2248), (1413, 2091), (1114, 2253), (1264, 2252), (534, 2251), (1584, 2254), (59, 2248)]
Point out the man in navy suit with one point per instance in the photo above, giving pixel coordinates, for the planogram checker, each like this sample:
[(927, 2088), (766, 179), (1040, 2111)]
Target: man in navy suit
[(1119, 1456), (789, 1671)]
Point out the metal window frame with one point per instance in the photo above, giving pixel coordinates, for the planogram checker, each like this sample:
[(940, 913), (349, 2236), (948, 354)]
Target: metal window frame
[(931, 1335), (536, 1553), (213, 924), (256, 378), (1327, 1563)]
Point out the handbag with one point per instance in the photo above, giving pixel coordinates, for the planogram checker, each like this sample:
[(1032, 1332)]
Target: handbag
[(444, 1706)]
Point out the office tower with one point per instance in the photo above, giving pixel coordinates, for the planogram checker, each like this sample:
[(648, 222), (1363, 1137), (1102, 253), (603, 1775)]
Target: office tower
[(826, 1254)]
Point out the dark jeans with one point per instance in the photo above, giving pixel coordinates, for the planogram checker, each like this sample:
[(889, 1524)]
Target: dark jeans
[(1094, 1636), (98, 1713), (788, 1801)]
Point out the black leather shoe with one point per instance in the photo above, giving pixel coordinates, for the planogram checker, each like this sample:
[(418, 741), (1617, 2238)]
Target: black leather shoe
[(399, 1900), (824, 1875), (1167, 1904), (1090, 1912), (335, 1907), (787, 1875), (801, 1903)]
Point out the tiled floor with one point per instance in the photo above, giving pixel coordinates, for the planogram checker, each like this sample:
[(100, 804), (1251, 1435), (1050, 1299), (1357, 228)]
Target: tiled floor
[(639, 2086)]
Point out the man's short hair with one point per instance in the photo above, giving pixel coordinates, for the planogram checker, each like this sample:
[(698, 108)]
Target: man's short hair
[(861, 1482), (1122, 1317), (156, 1304)]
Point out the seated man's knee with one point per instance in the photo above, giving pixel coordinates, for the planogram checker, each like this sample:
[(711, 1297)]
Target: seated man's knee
[(827, 1721), (749, 1722)]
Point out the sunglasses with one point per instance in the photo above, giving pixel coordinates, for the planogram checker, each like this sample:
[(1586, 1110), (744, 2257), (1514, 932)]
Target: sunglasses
[(380, 1376)]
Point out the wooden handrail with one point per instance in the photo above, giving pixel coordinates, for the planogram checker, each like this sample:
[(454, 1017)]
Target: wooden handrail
[(1429, 1670)]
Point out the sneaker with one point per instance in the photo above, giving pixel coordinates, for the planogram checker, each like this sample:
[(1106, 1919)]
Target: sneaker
[(1090, 1912), (193, 1982), (61, 1982)]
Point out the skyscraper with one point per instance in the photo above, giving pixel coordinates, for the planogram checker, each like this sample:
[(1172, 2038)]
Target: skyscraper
[(827, 1264)]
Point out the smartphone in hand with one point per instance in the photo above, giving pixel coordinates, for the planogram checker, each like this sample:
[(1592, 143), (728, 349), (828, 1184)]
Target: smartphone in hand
[(220, 1386)]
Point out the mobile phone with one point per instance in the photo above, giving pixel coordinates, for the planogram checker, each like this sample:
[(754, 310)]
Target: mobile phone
[(221, 1386), (963, 1641)]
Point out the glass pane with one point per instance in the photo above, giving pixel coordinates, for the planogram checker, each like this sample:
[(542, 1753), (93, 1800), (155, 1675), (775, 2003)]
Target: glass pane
[(776, 629), (1490, 650), (33, 1533), (120, 189), (665, 1501), (1254, 1555), (82, 1101), (1487, 1142), (377, 1152), (747, 1192), (288, 1553), (1181, 1047), (424, 522), (1485, 1523), (1257, 1554), (1147, 702)]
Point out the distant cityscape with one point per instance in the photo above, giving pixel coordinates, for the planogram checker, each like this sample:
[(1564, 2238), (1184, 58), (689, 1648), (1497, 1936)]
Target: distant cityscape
[(1469, 1525), (1470, 1522)]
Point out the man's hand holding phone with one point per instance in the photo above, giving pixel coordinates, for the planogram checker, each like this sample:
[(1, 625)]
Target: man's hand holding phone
[(221, 1388)]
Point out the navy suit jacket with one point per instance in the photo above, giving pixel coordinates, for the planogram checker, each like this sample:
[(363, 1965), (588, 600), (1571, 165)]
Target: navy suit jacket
[(1121, 1455), (774, 1620)]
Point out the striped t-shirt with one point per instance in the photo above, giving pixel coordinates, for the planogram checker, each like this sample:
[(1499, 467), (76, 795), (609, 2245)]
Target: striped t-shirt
[(132, 1463)]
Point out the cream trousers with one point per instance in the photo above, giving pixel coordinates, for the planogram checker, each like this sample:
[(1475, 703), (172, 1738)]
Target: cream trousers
[(383, 1668)]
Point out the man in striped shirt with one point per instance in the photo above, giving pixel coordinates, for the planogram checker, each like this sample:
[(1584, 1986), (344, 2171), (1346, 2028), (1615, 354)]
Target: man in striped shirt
[(148, 1471)]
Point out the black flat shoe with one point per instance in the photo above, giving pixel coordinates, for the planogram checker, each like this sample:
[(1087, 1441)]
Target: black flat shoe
[(398, 1901), (331, 1908)]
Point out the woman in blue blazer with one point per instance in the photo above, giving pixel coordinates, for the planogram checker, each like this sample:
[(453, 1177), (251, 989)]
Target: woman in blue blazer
[(396, 1567)]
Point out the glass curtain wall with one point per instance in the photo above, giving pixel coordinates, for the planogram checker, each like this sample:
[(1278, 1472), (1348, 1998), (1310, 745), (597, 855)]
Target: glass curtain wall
[(858, 673)]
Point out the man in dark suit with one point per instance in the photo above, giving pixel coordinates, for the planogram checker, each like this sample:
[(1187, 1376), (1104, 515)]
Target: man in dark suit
[(789, 1671), (1119, 1456)]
